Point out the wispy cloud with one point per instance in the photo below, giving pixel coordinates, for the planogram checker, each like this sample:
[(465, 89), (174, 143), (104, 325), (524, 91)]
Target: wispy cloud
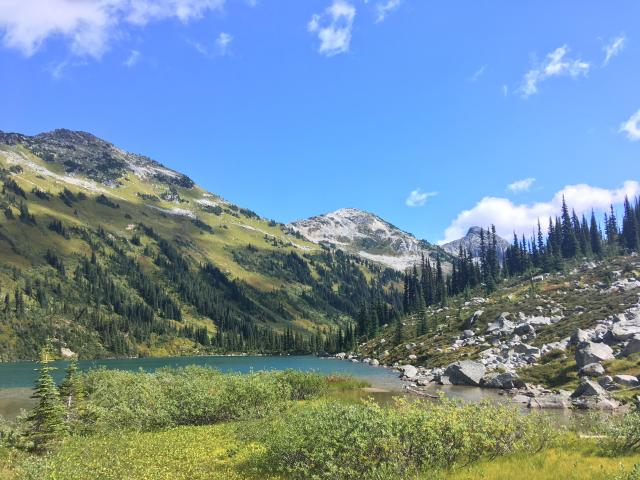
[(132, 59), (508, 216), (632, 127), (89, 26), (385, 8), (333, 27), (521, 185), (505, 90), (614, 47), (477, 74), (221, 46), (556, 64), (222, 43), (417, 198)]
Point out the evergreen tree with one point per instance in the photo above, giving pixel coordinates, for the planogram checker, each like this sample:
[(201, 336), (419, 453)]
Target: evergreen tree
[(595, 236), (47, 420), (569, 243), (630, 227), (72, 393)]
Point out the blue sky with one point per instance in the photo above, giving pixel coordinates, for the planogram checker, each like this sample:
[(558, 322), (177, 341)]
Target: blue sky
[(295, 108)]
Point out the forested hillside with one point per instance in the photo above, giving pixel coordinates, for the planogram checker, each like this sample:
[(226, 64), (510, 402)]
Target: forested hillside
[(112, 254)]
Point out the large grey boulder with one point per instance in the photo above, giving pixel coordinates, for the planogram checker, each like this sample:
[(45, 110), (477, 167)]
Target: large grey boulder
[(587, 388), (624, 331), (591, 395), (505, 380), (632, 347), (466, 372), (526, 349), (524, 329), (409, 371), (578, 337), (501, 325), (592, 370), (590, 352), (626, 380)]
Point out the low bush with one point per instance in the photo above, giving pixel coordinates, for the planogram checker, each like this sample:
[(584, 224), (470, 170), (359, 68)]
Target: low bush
[(189, 396), (366, 441), (622, 433)]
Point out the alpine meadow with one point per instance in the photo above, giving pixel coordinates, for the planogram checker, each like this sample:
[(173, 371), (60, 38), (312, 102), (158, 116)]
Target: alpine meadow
[(332, 240)]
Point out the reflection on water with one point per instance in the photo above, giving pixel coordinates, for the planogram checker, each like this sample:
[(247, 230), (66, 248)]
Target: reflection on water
[(12, 400)]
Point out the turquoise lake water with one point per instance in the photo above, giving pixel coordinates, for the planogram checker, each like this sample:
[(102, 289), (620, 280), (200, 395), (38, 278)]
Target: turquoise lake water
[(23, 374)]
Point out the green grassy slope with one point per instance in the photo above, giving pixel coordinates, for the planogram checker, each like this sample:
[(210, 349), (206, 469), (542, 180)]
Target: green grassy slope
[(264, 289)]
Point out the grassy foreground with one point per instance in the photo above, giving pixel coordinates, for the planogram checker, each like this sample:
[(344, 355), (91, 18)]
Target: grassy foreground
[(196, 423), (224, 452)]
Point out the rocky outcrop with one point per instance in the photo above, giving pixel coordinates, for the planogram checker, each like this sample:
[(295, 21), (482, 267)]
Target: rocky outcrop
[(501, 326), (591, 395), (505, 381), (590, 352), (465, 372)]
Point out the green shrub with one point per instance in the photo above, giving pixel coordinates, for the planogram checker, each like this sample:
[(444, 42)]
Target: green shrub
[(189, 396), (633, 474), (622, 432), (366, 441)]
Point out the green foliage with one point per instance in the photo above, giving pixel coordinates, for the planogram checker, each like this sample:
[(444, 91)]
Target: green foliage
[(633, 474), (366, 441), (47, 420), (193, 395), (622, 433)]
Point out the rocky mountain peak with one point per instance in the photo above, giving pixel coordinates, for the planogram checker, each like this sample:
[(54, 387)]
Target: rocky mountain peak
[(471, 243), (365, 234), (81, 153)]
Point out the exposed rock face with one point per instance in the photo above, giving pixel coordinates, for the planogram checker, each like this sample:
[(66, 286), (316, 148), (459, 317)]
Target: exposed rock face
[(590, 352), (465, 372), (471, 243), (101, 161), (365, 234), (502, 380)]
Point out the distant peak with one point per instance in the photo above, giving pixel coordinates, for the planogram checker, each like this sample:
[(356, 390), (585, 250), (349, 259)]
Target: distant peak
[(474, 231)]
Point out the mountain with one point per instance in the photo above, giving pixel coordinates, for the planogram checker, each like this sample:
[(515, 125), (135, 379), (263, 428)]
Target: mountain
[(365, 234), (111, 253), (471, 243)]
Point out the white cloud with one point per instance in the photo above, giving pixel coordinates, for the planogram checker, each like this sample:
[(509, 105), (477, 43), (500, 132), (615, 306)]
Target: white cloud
[(384, 9), (477, 74), (508, 216), (505, 90), (632, 127), (521, 185), (132, 59), (89, 25), (614, 48), (417, 198), (555, 65), (222, 42), (333, 27)]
